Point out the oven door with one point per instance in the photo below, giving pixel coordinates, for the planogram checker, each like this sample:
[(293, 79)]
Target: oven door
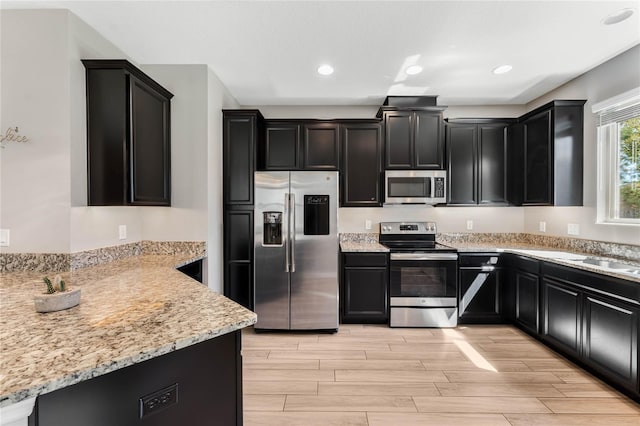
[(423, 279)]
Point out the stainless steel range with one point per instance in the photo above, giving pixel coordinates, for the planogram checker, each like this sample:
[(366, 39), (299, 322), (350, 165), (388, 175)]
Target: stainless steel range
[(423, 276)]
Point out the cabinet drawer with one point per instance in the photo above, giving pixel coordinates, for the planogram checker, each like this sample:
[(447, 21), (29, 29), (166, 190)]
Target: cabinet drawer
[(526, 264), (477, 260), (365, 259)]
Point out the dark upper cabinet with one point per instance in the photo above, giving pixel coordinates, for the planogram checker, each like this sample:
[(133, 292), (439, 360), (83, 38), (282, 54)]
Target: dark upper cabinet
[(361, 163), (414, 139), (292, 145), (241, 131), (364, 288), (128, 136), (477, 161), (550, 141), (320, 150), (281, 148)]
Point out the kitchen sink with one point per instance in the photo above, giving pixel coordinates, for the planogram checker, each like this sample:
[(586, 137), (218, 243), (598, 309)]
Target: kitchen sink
[(613, 265)]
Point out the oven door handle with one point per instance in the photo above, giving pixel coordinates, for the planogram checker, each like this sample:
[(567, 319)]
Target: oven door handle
[(424, 256)]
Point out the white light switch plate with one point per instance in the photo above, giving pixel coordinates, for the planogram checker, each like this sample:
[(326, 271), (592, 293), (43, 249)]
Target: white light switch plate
[(469, 225), (4, 237), (367, 224), (543, 226), (122, 232), (573, 229)]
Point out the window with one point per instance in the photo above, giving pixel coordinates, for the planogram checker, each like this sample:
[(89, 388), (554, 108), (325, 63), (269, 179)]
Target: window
[(619, 159)]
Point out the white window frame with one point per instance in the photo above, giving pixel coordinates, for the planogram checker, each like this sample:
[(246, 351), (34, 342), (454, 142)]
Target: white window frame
[(608, 159)]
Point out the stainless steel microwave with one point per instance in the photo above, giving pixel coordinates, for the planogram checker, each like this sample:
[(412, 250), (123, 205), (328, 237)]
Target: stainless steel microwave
[(415, 186)]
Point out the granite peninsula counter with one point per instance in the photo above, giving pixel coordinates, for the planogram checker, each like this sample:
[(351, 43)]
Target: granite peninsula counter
[(131, 310)]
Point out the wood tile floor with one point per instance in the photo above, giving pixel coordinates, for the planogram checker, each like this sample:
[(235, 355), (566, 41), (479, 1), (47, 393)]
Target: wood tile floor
[(379, 376)]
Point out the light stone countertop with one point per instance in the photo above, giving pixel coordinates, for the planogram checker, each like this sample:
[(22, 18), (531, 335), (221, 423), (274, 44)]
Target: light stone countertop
[(554, 255), (534, 251), (131, 310), (357, 246)]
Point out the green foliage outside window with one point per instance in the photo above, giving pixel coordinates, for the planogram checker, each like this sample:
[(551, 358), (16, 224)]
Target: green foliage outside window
[(629, 162)]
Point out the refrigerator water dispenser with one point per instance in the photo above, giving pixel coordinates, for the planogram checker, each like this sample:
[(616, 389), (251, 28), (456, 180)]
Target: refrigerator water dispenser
[(272, 222)]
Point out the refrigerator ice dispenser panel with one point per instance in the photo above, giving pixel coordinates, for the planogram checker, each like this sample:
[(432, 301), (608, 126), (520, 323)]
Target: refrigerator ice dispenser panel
[(316, 215), (272, 222)]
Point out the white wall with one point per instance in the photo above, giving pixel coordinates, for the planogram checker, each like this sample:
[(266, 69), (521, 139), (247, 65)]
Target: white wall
[(218, 98), (186, 219), (35, 181), (618, 75), (91, 227)]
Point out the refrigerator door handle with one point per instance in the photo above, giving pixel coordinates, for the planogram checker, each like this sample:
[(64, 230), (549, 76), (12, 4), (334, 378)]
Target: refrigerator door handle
[(292, 248), (286, 229)]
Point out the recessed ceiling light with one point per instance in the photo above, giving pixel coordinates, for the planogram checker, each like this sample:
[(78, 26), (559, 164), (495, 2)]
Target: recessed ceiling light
[(618, 16), (413, 70), (325, 69), (502, 69)]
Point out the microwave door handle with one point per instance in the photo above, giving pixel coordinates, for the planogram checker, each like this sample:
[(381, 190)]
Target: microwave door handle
[(292, 248)]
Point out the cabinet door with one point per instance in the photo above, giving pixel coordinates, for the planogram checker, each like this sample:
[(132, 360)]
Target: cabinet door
[(150, 151), (282, 147), (428, 140), (365, 293), (461, 150), (527, 302), (320, 150), (561, 325), (492, 165), (611, 339), (238, 261), (361, 162), (538, 159), (479, 295), (209, 386), (239, 136), (398, 137)]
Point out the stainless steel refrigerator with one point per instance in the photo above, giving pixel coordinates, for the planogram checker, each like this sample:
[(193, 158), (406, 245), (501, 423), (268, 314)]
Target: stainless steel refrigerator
[(296, 250)]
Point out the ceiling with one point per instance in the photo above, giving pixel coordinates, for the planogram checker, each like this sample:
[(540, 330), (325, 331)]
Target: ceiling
[(267, 52)]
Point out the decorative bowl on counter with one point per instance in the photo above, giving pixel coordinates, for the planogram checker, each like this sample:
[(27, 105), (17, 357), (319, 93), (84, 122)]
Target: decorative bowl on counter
[(57, 301)]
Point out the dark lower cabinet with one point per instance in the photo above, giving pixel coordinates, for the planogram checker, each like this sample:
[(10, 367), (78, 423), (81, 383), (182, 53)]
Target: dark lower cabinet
[(364, 288), (361, 165), (562, 322), (527, 302), (238, 256), (205, 380), (479, 292), (610, 339), (192, 270)]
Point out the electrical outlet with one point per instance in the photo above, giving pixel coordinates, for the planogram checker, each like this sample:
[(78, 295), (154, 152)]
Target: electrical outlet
[(573, 229), (367, 224), (543, 226), (469, 225), (158, 400), (4, 237), (122, 232)]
